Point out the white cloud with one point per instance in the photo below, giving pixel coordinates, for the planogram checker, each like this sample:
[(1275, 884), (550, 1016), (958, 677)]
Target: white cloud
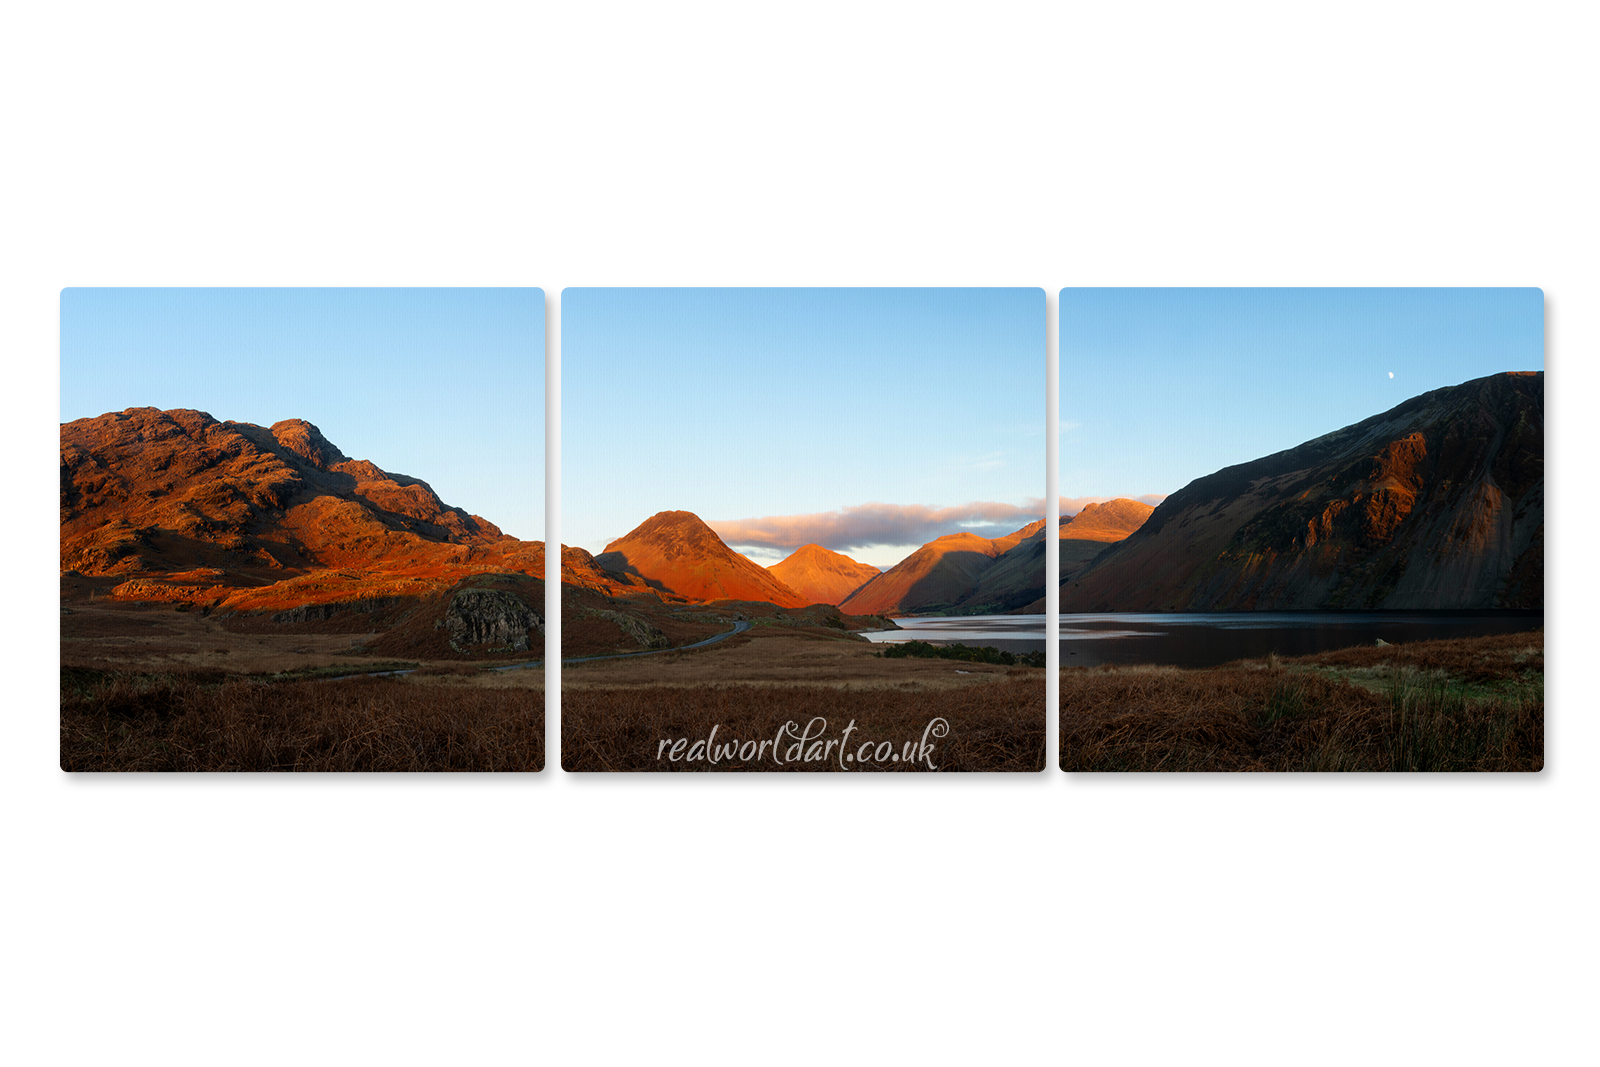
[(877, 524)]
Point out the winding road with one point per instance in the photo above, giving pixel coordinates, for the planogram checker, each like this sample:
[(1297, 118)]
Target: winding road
[(738, 628)]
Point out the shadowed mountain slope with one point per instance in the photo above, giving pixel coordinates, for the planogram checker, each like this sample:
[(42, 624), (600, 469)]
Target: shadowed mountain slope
[(1015, 577), (1437, 503), (673, 551), (822, 576), (1092, 530), (939, 576), (1015, 583)]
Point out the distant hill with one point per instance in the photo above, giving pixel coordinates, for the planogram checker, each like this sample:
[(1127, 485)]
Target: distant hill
[(678, 556), (822, 576), (1015, 584), (1015, 577), (1107, 522), (1437, 503), (1088, 533), (675, 552), (938, 574), (943, 574)]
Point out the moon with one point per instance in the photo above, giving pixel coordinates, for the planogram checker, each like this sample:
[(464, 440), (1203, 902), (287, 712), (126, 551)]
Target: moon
[(1391, 374)]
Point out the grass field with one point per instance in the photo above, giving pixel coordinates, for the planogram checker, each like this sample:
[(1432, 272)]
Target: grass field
[(198, 721), (1468, 704), (153, 688), (993, 727), (616, 713)]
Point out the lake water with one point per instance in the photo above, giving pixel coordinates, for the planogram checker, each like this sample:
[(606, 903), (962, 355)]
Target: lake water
[(1205, 639)]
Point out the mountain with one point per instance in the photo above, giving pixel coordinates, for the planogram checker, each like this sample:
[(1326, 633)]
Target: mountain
[(579, 570), (178, 506), (1015, 577), (938, 576), (1082, 537), (1437, 503), (1107, 522), (822, 576), (673, 551), (1086, 534)]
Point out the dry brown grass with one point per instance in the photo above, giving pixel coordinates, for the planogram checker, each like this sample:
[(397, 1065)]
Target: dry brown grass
[(781, 656), (994, 727), (1470, 704), (145, 637), (199, 721), (148, 638), (1496, 658), (615, 713)]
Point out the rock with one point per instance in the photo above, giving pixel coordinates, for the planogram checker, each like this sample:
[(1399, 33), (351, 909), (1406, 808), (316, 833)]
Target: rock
[(307, 613), (490, 617), (642, 632), (318, 612), (307, 442)]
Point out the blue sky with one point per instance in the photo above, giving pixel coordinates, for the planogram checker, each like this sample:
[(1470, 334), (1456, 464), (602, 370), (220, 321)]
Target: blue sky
[(1162, 386), (865, 419), (446, 385)]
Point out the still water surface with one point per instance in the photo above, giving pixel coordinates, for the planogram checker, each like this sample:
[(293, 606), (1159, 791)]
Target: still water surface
[(1205, 639)]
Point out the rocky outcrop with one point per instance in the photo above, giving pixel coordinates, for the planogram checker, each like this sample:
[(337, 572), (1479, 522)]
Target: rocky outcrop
[(492, 618), (151, 589), (638, 630), (307, 442), (322, 612)]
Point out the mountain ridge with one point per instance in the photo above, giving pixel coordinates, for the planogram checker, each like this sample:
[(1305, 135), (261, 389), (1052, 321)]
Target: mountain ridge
[(1437, 503), (938, 575), (179, 506)]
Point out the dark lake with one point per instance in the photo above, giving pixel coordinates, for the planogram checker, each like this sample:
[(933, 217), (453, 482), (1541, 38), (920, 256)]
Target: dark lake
[(1205, 639)]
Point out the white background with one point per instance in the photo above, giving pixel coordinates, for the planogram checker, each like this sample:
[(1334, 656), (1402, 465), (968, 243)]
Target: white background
[(568, 918)]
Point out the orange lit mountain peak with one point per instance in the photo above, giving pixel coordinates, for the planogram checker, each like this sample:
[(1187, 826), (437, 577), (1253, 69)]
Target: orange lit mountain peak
[(822, 576), (676, 552)]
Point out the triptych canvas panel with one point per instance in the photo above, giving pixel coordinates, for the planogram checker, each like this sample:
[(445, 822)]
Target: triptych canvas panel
[(297, 526), (782, 478), (803, 530), (1343, 567)]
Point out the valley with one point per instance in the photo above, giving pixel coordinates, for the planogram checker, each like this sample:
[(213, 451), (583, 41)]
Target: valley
[(205, 563)]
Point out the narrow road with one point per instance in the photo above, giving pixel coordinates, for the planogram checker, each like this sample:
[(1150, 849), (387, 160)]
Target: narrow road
[(738, 628)]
